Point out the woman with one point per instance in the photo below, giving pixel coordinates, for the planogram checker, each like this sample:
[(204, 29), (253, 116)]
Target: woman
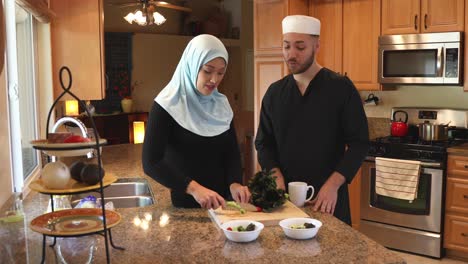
[(190, 143)]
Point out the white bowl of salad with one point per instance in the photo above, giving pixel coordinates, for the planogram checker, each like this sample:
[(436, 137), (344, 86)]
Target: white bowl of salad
[(242, 230), (300, 228)]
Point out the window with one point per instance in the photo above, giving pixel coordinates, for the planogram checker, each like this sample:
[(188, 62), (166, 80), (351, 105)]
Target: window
[(22, 92)]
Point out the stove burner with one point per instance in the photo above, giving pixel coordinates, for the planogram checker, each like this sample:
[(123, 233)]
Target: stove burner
[(411, 148), (412, 140), (391, 139)]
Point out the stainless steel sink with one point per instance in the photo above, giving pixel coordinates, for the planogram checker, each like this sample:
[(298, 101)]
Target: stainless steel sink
[(124, 193)]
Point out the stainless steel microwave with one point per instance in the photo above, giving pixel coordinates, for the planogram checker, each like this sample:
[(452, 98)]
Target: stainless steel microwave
[(429, 58)]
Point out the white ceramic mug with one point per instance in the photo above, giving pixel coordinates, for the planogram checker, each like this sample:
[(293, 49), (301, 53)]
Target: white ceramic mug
[(298, 193)]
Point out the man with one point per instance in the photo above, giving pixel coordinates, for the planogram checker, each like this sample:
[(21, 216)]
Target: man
[(312, 124)]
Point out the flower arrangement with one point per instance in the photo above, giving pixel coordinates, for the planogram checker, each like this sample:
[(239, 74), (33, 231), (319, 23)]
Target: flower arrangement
[(120, 81), (127, 93)]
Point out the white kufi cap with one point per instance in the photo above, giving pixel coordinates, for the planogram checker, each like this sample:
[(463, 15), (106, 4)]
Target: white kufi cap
[(301, 24)]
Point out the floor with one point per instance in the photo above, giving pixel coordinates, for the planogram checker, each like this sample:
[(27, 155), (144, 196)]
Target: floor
[(416, 259)]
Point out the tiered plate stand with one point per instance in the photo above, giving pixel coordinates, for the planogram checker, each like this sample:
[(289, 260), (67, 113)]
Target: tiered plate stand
[(103, 230)]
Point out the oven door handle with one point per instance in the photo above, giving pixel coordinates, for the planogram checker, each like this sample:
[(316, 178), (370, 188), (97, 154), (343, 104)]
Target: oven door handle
[(423, 164), (431, 164)]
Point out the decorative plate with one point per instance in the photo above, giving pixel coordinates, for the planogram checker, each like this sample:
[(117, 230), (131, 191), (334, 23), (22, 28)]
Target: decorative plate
[(72, 186), (66, 149), (74, 222)]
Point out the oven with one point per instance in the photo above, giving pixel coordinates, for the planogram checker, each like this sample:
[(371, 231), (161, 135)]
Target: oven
[(411, 226), (415, 226)]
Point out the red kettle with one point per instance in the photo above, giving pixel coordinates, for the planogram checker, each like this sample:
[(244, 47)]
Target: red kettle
[(399, 128)]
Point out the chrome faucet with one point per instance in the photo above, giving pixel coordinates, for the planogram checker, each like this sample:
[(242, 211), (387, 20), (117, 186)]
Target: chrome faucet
[(84, 130)]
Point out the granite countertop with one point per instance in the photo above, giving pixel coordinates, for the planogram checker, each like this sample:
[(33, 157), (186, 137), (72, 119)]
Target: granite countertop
[(459, 150), (176, 235)]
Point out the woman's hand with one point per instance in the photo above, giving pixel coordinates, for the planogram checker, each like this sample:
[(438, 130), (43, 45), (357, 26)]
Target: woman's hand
[(207, 198), (240, 193)]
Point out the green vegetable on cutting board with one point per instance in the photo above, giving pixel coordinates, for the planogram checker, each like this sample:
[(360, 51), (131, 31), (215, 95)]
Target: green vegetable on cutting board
[(265, 193), (235, 205)]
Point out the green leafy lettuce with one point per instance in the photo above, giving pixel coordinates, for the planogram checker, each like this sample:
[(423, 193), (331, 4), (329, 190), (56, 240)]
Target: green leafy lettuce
[(264, 191)]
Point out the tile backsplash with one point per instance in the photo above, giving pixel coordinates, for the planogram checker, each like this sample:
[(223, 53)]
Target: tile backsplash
[(378, 127)]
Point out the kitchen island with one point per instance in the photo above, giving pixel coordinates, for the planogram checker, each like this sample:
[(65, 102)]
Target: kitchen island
[(175, 235)]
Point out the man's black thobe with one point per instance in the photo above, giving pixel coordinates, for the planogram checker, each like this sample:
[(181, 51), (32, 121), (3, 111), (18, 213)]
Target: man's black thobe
[(312, 135)]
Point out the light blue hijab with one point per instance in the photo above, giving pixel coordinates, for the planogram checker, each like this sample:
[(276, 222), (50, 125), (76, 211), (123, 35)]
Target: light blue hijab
[(204, 115)]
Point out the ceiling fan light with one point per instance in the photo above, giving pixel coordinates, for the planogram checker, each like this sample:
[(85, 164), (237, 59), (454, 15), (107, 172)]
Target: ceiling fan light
[(130, 17), (141, 22), (145, 16), (138, 15), (158, 18), (140, 18)]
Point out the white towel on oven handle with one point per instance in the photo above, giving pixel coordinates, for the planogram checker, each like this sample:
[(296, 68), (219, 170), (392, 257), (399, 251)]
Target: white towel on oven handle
[(397, 178)]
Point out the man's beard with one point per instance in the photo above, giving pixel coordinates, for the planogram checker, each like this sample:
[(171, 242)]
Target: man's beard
[(301, 68)]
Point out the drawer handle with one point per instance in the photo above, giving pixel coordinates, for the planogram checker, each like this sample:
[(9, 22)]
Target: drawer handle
[(425, 21), (416, 22), (465, 196), (464, 234), (466, 166)]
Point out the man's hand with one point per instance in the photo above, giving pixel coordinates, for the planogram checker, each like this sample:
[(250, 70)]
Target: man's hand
[(279, 178), (328, 194), (205, 197), (240, 193)]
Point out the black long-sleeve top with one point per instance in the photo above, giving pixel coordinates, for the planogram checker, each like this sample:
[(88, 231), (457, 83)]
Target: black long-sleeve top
[(173, 156), (312, 135)]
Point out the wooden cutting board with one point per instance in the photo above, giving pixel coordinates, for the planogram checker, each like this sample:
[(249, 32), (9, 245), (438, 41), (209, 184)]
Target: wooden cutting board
[(288, 210)]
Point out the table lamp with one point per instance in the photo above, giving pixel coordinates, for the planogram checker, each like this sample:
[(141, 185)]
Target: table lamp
[(71, 107), (138, 132)]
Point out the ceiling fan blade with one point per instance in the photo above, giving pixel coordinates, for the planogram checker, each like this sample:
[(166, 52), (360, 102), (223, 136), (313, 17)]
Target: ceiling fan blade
[(171, 6), (124, 4)]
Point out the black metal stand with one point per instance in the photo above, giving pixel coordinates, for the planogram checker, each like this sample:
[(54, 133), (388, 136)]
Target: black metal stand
[(106, 232)]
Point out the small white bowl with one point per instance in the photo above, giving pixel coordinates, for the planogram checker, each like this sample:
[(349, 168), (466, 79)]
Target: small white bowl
[(305, 233), (245, 236)]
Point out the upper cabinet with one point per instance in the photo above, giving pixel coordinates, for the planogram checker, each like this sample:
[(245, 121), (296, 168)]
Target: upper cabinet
[(268, 15), (361, 32), (330, 14), (267, 26), (349, 39), (422, 16), (77, 39)]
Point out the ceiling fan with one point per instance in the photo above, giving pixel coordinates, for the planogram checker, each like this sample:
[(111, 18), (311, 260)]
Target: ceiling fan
[(147, 14)]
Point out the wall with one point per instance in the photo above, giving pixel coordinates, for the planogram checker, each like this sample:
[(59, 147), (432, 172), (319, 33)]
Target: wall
[(176, 21), (248, 59), (149, 50), (155, 58), (44, 74), (418, 96), (6, 184), (114, 22)]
